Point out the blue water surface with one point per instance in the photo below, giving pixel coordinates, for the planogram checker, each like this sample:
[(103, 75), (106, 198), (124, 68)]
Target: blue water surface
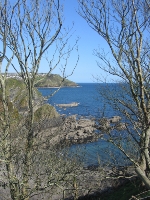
[(87, 95), (91, 103)]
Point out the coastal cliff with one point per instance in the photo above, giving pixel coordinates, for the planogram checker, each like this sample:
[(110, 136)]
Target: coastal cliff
[(53, 80), (17, 91)]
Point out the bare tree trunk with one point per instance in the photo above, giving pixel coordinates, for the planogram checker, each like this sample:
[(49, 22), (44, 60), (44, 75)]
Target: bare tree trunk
[(143, 177), (29, 29), (29, 143), (124, 25), (6, 143)]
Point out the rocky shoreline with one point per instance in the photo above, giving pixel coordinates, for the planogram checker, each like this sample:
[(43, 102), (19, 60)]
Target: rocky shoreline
[(91, 181), (68, 130), (77, 130)]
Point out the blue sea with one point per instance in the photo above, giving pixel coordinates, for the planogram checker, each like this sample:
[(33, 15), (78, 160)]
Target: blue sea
[(87, 95), (91, 104)]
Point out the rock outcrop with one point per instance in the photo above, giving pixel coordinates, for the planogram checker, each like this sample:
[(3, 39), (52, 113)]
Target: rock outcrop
[(79, 131), (107, 124), (70, 130), (73, 104)]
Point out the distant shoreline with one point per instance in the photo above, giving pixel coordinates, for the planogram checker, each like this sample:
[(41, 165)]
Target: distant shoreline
[(61, 87)]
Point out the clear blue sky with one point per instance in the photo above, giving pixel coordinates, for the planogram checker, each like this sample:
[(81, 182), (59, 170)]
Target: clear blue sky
[(89, 40)]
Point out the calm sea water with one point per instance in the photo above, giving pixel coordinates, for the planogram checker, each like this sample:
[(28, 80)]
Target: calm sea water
[(87, 95), (90, 104)]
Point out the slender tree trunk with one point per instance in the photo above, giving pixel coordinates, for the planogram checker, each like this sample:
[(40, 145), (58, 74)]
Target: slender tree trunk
[(13, 181), (29, 144), (143, 169)]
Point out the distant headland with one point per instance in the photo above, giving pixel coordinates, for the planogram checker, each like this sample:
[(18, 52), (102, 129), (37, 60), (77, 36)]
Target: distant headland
[(48, 80)]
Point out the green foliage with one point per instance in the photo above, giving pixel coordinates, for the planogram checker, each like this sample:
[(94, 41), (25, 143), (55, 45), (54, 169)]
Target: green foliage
[(46, 111), (18, 100), (52, 80), (13, 82)]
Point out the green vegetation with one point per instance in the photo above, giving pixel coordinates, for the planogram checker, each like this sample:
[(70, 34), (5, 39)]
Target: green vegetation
[(18, 94), (13, 82), (53, 80), (46, 111), (18, 101)]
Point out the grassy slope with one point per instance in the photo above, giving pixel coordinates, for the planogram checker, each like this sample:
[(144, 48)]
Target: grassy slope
[(52, 80), (45, 112), (18, 101), (17, 93)]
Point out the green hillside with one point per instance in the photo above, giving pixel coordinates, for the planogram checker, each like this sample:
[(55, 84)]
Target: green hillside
[(18, 101), (18, 95), (53, 80)]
